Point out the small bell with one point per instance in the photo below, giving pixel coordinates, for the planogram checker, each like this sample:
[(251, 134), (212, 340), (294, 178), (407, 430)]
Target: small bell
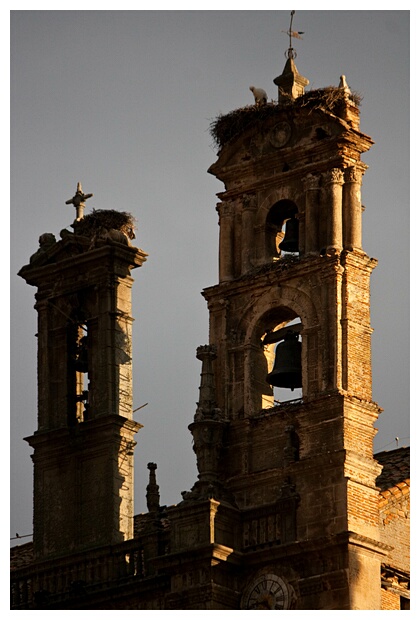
[(290, 241), (287, 369)]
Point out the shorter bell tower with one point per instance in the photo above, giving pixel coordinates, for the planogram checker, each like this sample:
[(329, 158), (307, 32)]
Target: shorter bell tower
[(83, 446)]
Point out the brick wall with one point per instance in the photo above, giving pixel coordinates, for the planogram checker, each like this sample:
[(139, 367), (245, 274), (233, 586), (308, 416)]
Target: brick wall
[(394, 523), (389, 600)]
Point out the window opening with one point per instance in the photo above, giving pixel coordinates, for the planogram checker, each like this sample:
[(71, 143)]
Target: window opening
[(78, 373), (283, 351), (290, 234), (282, 228)]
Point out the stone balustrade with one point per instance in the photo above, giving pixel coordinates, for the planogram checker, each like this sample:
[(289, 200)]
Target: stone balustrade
[(51, 582)]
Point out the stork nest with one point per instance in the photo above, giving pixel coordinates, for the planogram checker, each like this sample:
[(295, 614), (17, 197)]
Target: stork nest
[(330, 99), (107, 219)]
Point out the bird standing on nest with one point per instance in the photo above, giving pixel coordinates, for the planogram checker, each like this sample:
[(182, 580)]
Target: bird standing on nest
[(260, 95)]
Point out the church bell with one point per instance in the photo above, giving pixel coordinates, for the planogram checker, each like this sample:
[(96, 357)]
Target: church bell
[(287, 369), (290, 241)]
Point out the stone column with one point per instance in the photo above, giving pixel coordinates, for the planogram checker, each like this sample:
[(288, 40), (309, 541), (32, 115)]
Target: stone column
[(334, 180), (249, 204), (311, 186), (352, 209), (225, 211)]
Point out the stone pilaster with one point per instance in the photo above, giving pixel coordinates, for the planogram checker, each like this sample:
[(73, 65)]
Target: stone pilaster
[(311, 187), (249, 205), (225, 210)]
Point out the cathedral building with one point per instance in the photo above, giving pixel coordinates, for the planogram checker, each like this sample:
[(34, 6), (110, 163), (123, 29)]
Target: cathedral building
[(290, 509)]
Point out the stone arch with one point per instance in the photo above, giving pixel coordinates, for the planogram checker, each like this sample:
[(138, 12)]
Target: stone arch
[(272, 312), (275, 209), (279, 193)]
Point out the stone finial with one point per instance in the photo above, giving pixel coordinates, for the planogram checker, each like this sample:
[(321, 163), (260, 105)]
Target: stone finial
[(290, 83), (78, 201), (152, 490), (46, 241)]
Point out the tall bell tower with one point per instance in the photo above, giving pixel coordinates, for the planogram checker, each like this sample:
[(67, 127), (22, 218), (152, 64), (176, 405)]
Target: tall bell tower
[(83, 447), (287, 478)]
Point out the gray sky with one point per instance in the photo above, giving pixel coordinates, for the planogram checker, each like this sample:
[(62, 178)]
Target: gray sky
[(122, 101)]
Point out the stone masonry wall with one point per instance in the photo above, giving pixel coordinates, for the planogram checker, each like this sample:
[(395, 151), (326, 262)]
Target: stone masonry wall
[(394, 523)]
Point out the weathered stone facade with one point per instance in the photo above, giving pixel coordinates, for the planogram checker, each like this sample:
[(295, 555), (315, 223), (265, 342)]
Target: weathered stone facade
[(285, 512), (83, 448)]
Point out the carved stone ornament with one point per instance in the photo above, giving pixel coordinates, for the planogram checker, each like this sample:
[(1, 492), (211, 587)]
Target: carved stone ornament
[(225, 209), (280, 134), (335, 175), (249, 201), (268, 591), (353, 175), (310, 182), (46, 241)]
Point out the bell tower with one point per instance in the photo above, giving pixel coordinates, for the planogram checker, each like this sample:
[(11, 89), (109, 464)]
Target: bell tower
[(83, 447), (289, 426)]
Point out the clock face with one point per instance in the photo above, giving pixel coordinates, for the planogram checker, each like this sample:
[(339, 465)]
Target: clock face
[(266, 592)]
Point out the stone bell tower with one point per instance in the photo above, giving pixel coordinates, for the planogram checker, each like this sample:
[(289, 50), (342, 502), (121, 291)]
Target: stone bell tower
[(288, 483), (83, 447)]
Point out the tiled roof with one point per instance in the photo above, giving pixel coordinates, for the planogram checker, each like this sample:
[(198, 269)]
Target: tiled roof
[(145, 520), (396, 468), (21, 555)]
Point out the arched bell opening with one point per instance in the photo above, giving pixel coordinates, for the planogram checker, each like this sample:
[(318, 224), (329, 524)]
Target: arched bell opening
[(77, 370), (277, 371), (282, 229), (285, 372)]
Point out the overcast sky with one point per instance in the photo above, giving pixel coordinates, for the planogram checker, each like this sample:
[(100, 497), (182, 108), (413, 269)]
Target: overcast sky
[(122, 101)]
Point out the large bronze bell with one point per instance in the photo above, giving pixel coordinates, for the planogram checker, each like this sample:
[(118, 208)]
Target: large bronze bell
[(287, 369), (290, 241)]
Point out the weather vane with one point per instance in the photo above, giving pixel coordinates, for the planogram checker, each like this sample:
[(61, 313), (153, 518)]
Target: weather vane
[(291, 53)]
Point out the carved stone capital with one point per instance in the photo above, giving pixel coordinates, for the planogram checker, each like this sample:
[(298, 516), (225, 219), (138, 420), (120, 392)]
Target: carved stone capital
[(225, 209), (206, 350), (310, 182), (334, 176), (249, 201), (353, 175)]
